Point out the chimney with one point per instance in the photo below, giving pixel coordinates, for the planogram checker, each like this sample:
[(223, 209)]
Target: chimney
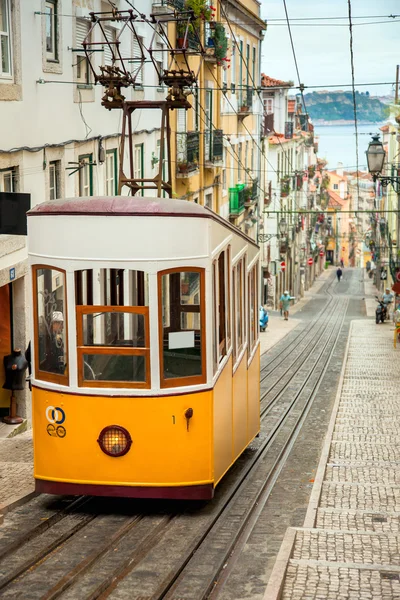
[(339, 169)]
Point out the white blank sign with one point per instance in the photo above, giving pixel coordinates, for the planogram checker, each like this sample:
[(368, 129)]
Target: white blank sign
[(181, 339)]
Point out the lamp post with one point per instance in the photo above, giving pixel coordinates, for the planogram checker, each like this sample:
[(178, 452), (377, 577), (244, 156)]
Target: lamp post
[(375, 159)]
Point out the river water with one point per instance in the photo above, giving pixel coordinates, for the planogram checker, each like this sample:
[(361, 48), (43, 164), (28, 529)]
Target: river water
[(337, 143)]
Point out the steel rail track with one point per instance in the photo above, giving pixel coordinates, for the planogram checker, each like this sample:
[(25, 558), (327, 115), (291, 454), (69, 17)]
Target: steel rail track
[(223, 561), (67, 585), (294, 344), (291, 344)]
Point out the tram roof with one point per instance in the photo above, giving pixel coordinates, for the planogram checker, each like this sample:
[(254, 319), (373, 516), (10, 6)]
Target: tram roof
[(130, 206)]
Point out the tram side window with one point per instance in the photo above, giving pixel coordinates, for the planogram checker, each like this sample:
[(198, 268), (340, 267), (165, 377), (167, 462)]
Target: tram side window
[(221, 307), (239, 331), (182, 327), (50, 324), (253, 306), (112, 328)]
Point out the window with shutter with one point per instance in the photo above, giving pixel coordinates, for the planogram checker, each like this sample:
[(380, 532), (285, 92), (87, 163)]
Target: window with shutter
[(138, 67), (181, 137), (82, 65), (109, 50)]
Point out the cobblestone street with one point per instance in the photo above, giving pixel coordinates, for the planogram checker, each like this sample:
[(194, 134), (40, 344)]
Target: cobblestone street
[(349, 546)]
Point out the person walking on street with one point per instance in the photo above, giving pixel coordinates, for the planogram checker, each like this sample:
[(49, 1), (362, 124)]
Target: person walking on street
[(342, 263), (285, 304), (339, 274)]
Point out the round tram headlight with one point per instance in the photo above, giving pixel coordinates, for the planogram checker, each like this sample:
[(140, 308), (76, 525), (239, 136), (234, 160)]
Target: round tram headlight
[(115, 440)]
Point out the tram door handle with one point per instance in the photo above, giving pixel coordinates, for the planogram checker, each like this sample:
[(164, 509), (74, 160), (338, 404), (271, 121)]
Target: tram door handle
[(188, 416)]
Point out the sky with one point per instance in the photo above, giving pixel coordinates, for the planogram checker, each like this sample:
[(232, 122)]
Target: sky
[(323, 52)]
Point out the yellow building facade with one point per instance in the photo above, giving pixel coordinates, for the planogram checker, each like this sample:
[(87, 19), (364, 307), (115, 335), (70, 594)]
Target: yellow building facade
[(215, 145)]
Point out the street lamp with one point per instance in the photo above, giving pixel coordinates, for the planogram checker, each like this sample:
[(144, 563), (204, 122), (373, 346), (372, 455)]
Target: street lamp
[(263, 238), (283, 226), (375, 160)]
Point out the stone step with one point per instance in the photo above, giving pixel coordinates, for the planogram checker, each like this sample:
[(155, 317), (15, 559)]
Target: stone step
[(353, 452), (357, 520), (345, 547), (356, 496), (340, 581), (367, 473)]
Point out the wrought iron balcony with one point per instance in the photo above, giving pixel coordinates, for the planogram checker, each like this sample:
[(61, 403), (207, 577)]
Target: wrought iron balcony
[(245, 101), (187, 152), (213, 147), (251, 193)]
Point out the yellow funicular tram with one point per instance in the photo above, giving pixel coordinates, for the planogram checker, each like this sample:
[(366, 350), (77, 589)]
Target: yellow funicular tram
[(145, 346)]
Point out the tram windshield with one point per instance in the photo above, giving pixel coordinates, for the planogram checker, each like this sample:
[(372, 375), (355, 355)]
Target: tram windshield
[(112, 328)]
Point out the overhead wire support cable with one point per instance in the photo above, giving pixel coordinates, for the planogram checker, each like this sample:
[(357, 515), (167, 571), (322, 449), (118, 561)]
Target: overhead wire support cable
[(354, 94), (256, 89)]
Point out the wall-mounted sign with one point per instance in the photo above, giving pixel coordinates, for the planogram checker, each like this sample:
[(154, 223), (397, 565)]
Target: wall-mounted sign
[(12, 274)]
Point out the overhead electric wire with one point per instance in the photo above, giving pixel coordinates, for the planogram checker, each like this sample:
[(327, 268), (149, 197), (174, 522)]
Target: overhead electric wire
[(354, 94), (258, 91), (337, 18), (333, 24)]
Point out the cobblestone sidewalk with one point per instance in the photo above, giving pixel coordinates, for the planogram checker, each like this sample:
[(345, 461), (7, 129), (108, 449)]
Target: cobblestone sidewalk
[(16, 470), (349, 546)]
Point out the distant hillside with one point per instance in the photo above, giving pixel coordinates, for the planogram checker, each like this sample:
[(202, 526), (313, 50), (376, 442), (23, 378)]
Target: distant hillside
[(338, 106)]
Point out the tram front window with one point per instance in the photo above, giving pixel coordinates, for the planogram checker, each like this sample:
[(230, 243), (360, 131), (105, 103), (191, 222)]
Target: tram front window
[(50, 322), (182, 319)]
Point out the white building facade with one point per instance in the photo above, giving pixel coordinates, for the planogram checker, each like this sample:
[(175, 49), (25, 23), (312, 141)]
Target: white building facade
[(57, 139)]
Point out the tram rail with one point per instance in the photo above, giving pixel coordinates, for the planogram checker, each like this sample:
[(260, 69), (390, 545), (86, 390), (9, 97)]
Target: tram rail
[(190, 554)]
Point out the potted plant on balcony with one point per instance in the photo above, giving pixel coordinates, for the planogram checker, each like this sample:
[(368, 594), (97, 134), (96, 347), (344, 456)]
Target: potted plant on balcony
[(221, 42), (182, 167), (201, 12), (285, 187)]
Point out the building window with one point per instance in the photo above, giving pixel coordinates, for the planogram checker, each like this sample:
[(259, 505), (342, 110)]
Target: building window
[(54, 179), (240, 162), (182, 327), (51, 30), (5, 39), (268, 106), (139, 163), (335, 186), (8, 180), (233, 67), (111, 172), (85, 175), (82, 64), (138, 60), (209, 201)]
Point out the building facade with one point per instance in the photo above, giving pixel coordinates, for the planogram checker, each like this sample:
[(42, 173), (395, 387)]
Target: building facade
[(57, 139)]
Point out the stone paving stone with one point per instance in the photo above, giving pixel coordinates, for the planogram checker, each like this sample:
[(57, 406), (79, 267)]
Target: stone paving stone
[(320, 582), (354, 451), (346, 547), (16, 468), (362, 474), (360, 497), (357, 520)]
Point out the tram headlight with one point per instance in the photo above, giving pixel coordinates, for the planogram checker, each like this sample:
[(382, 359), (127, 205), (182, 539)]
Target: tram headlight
[(115, 440)]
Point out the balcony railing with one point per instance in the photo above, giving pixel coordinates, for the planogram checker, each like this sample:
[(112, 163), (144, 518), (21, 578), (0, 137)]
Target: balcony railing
[(187, 151), (213, 146), (245, 101), (251, 193), (237, 199), (177, 4)]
